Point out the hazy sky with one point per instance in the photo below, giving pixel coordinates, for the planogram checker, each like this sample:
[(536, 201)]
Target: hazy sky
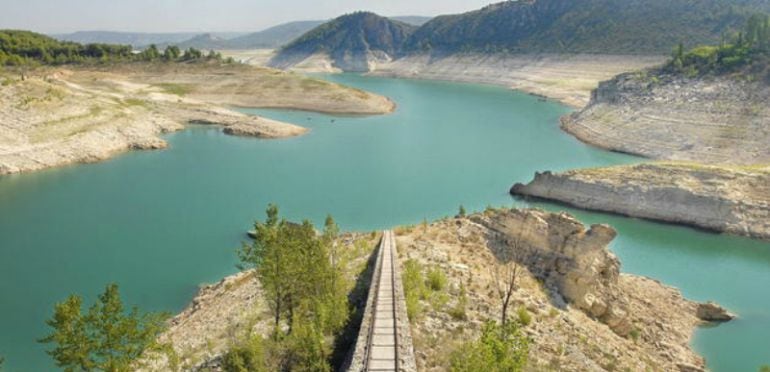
[(52, 16)]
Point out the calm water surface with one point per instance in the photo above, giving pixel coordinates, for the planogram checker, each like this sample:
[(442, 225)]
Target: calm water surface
[(160, 223)]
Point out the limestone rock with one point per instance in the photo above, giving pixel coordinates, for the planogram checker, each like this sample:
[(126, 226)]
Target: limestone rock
[(712, 312), (725, 199)]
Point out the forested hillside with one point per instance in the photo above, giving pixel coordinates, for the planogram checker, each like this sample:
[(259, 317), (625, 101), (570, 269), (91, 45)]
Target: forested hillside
[(748, 51), (584, 26), (18, 48), (356, 36)]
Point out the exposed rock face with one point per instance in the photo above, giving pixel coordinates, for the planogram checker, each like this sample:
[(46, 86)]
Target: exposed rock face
[(586, 315), (712, 312), (733, 200), (663, 116), (576, 262)]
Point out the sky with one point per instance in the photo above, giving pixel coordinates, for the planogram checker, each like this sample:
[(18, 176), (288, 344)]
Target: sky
[(61, 16)]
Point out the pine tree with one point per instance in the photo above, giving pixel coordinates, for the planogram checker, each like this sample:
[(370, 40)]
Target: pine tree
[(105, 338)]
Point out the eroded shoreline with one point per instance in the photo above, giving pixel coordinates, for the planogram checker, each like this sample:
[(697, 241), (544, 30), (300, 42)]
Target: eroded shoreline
[(58, 116)]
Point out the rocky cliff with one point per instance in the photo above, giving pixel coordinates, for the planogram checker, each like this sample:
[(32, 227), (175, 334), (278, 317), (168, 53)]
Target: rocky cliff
[(734, 200), (711, 119)]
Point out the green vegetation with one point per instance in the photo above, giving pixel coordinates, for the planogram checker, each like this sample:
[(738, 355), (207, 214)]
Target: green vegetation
[(24, 48), (436, 279), (431, 287), (764, 368), (302, 277), (354, 33), (583, 26), (461, 211), (499, 349), (749, 48), (457, 312), (172, 88), (247, 357), (525, 318), (414, 288), (105, 338)]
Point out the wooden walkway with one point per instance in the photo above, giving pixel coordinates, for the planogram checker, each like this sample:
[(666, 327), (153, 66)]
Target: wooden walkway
[(382, 353), (384, 341)]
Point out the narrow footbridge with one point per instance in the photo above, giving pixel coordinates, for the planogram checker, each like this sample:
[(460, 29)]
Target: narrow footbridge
[(384, 341)]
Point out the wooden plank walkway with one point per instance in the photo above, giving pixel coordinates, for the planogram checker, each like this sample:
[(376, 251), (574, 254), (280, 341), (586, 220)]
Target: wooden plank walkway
[(382, 352), (384, 341)]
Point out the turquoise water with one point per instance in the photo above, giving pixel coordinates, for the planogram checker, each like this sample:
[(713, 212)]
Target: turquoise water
[(160, 223)]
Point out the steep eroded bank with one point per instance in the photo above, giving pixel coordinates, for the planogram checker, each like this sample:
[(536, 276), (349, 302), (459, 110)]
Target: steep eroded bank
[(734, 200), (708, 119)]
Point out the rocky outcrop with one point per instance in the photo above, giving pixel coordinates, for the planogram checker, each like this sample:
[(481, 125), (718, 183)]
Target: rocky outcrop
[(569, 258), (725, 199), (585, 314), (713, 119), (712, 312)]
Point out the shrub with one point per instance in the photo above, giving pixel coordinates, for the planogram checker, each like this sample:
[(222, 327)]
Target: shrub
[(414, 288), (636, 333), (500, 348), (247, 357), (461, 211), (436, 279), (458, 311), (524, 317)]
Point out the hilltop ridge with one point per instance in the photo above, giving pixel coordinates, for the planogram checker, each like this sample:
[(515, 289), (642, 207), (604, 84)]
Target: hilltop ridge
[(352, 42)]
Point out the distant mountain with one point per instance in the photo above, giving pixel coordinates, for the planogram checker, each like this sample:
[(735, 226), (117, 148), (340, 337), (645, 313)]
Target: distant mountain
[(136, 39), (203, 42), (584, 26), (412, 20), (273, 37), (353, 42)]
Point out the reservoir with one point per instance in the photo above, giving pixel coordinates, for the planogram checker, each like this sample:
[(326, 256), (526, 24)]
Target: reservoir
[(160, 223)]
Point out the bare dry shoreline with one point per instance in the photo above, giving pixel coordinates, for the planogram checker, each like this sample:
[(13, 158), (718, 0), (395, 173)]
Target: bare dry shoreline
[(56, 116), (566, 78)]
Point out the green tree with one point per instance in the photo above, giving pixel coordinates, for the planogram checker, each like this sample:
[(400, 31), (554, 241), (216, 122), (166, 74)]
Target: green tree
[(302, 277), (106, 338), (499, 349), (151, 53), (461, 211), (171, 53), (192, 54)]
